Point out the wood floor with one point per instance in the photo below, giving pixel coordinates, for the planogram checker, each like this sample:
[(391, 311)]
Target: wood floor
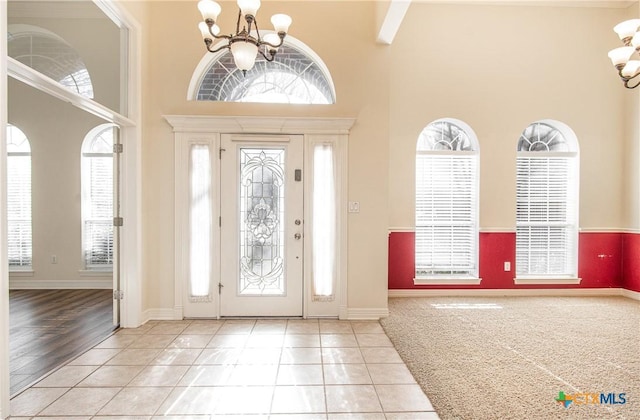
[(49, 327)]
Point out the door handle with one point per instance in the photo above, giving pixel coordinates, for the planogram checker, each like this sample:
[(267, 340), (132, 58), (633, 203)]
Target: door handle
[(297, 236)]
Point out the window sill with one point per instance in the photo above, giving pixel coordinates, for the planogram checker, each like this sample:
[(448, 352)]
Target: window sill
[(95, 273), (21, 273), (434, 281), (551, 280)]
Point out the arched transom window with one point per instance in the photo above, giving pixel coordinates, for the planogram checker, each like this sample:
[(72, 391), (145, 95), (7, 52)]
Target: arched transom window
[(50, 55), (547, 201), (446, 237), (296, 76)]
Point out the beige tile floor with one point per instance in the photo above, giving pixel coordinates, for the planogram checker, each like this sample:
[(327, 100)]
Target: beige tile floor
[(233, 369)]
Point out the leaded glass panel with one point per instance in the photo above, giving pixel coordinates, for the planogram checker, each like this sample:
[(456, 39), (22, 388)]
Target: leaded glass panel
[(262, 194)]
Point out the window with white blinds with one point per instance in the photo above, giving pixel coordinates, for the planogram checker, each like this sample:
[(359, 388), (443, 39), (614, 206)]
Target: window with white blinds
[(547, 202), (97, 198), (20, 244), (446, 236)]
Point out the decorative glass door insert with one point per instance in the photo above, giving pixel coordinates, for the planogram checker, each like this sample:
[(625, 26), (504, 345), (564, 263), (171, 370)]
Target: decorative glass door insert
[(262, 209)]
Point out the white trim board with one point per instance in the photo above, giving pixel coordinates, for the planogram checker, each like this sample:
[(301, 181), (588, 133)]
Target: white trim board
[(367, 313), (613, 291)]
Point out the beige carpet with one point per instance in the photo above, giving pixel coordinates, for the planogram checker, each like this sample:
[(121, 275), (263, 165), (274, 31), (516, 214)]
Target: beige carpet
[(509, 357)]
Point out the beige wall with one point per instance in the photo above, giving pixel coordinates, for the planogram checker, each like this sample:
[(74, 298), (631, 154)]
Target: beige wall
[(632, 148), (499, 68), (55, 131)]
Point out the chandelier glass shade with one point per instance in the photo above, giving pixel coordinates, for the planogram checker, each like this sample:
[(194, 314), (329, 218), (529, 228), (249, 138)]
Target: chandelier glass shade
[(246, 43), (628, 69)]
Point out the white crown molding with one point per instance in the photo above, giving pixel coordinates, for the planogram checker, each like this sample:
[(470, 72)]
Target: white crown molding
[(266, 125)]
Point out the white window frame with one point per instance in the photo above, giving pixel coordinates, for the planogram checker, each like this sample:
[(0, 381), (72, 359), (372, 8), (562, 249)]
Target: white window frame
[(533, 210), (23, 269), (446, 155), (209, 59)]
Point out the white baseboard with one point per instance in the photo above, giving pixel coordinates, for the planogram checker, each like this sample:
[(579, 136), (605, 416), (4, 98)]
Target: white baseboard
[(161, 314), (26, 283), (611, 291), (367, 313), (631, 294)]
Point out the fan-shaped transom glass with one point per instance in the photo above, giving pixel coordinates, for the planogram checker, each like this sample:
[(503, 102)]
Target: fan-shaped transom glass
[(50, 55), (445, 135), (293, 77), (17, 142), (544, 137)]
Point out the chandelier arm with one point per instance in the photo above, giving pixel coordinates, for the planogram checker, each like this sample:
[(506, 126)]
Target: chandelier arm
[(269, 58), (209, 42), (626, 83), (238, 21)]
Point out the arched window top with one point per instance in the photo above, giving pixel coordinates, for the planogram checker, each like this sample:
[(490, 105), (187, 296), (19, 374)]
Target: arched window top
[(447, 134), (548, 136), (296, 76), (17, 141), (99, 141), (49, 54)]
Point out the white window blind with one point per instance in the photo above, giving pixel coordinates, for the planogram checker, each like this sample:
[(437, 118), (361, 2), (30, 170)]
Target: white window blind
[(323, 223), (20, 245), (547, 201), (546, 223), (200, 246), (446, 214), (97, 199)]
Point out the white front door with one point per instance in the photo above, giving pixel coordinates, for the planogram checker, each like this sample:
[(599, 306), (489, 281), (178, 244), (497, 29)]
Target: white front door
[(261, 226)]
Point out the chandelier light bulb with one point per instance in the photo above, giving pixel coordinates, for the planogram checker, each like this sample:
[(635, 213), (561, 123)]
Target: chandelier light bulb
[(249, 7), (204, 30), (281, 22), (209, 9), (631, 68), (244, 55), (272, 39), (635, 41), (620, 55), (627, 29)]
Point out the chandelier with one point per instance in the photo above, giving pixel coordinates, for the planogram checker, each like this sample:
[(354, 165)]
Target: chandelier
[(621, 57), (245, 44)]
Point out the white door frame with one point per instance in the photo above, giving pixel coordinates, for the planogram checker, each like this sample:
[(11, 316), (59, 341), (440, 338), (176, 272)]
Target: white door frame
[(314, 130), (131, 135), (4, 262)]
